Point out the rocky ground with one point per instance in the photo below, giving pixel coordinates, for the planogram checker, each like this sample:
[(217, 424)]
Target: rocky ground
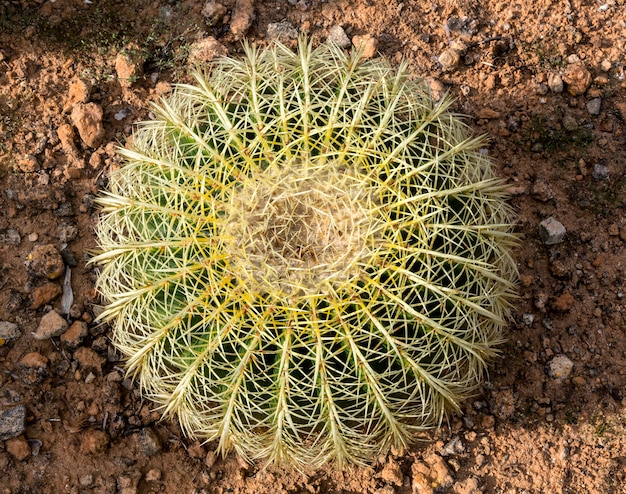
[(544, 79)]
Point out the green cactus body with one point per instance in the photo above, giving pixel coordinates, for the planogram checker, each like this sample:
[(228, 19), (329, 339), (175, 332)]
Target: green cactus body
[(305, 258)]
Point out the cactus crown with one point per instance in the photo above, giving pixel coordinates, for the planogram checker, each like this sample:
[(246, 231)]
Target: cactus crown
[(306, 258)]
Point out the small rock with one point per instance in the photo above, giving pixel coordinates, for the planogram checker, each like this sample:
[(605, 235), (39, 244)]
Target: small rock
[(10, 236), (453, 447), (78, 93), (528, 319), (129, 66), (449, 59), (213, 13), (578, 78), (600, 172), (88, 359), (51, 325), (392, 474), (488, 113), (67, 136), (148, 442), (503, 404), (541, 190), (338, 36), (122, 114), (153, 475), (28, 164), (12, 422), (468, 486), (555, 83), (44, 294), (33, 368), (18, 448), (579, 381), (85, 480), (420, 481), (73, 337), (242, 17), (87, 118), (128, 483), (9, 332), (205, 50), (366, 45), (94, 442), (551, 231), (560, 367), (440, 474), (210, 459), (593, 106), (281, 31), (67, 233), (437, 88), (45, 260), (196, 450)]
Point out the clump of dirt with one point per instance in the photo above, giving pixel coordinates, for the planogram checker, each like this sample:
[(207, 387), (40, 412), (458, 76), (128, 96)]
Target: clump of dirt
[(545, 81)]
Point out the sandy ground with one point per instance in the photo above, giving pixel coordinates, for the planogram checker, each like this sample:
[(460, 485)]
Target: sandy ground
[(544, 79)]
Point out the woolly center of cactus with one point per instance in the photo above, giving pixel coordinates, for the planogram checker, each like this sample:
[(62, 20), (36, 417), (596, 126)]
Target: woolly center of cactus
[(300, 229)]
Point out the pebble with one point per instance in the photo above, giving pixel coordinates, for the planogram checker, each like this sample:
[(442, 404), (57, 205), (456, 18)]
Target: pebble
[(600, 172), (555, 83), (281, 31), (10, 236), (392, 474), (18, 448), (210, 459), (33, 368), (577, 78), (51, 325), (593, 106), (44, 294), (213, 13), (468, 486), (206, 50), (45, 260), (560, 367), (551, 231), (85, 480), (153, 475), (87, 118), (129, 65), (148, 442), (9, 332), (338, 36), (366, 45), (88, 359), (78, 93), (12, 422), (74, 336), (453, 447), (242, 17), (128, 483), (528, 319), (449, 59)]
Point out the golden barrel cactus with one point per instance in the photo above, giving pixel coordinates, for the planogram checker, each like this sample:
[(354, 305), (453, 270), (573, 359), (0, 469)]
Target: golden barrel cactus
[(305, 257)]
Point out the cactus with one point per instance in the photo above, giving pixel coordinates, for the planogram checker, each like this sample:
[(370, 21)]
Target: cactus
[(306, 258)]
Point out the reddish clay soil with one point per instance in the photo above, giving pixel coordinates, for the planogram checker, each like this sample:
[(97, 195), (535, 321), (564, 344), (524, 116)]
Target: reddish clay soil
[(544, 79)]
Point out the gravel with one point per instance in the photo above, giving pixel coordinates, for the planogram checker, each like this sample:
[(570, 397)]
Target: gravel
[(551, 231), (12, 422)]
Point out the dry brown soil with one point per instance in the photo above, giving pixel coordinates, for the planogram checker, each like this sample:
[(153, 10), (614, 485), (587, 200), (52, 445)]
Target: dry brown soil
[(545, 79)]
